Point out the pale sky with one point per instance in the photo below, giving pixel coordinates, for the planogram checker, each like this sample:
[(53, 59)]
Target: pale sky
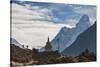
[(32, 32)]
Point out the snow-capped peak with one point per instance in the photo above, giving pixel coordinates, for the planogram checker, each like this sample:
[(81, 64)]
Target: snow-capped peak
[(84, 21), (67, 36)]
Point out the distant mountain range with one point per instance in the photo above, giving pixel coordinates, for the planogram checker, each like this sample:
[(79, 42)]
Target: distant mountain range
[(67, 36), (86, 40)]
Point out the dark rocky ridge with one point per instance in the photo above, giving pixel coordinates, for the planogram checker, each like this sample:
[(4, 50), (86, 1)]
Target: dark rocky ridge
[(86, 40)]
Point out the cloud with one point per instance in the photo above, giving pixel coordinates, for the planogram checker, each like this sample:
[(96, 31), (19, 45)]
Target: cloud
[(32, 13), (71, 22)]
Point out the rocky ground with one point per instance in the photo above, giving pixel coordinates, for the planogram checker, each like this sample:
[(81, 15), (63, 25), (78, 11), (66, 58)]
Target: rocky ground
[(24, 57)]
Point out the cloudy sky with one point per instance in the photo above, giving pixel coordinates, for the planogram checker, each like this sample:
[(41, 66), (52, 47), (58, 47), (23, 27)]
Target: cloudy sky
[(33, 22), (90, 2)]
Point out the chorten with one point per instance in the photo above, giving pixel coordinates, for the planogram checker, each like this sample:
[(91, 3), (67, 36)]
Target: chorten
[(48, 46)]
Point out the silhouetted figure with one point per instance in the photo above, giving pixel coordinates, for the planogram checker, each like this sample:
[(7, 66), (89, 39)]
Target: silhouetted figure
[(23, 46)]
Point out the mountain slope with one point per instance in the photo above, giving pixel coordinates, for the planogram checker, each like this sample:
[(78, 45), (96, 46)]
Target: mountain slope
[(67, 36), (86, 40), (14, 41), (19, 55)]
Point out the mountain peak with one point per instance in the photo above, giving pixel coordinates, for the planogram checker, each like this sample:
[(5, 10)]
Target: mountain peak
[(84, 22), (67, 36), (84, 18)]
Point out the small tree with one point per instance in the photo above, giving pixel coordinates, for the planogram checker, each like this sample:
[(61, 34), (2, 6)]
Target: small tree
[(86, 51), (35, 50), (35, 53)]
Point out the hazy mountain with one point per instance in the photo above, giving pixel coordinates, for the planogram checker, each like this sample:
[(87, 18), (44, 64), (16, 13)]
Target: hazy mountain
[(15, 42), (67, 36), (86, 40)]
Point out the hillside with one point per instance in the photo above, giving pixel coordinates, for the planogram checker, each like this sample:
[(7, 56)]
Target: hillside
[(20, 55)]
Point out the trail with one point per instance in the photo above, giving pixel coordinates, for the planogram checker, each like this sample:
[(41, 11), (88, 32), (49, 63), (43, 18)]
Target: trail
[(17, 64)]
